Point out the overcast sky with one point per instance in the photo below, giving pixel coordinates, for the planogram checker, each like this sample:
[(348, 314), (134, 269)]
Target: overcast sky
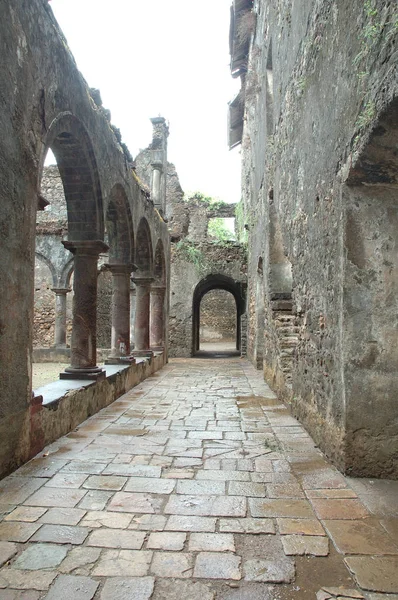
[(168, 58)]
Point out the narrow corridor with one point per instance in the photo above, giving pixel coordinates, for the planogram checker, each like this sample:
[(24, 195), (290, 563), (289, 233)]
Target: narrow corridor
[(196, 485)]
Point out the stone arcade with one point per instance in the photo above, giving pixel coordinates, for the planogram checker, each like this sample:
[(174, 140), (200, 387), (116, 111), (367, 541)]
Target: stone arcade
[(46, 104)]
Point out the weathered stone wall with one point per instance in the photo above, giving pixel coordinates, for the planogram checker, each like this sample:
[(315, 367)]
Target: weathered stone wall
[(218, 317), (321, 76), (45, 102)]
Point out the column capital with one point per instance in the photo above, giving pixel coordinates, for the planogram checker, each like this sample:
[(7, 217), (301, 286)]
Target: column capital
[(142, 281), (86, 247), (61, 291), (120, 268)]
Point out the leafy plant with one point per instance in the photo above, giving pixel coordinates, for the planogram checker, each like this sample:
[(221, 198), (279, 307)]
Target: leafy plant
[(219, 232)]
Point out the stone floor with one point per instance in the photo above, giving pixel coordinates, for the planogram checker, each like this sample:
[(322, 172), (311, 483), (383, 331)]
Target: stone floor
[(196, 485)]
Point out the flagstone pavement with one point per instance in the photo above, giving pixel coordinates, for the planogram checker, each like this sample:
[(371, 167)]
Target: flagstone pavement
[(195, 485)]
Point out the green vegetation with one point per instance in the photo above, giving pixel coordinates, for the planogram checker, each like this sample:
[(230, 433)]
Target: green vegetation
[(190, 252), (219, 232), (210, 202)]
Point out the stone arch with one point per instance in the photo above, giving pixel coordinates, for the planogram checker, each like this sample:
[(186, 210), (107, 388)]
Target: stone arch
[(143, 249), (369, 326), (159, 268), (280, 268), (50, 265), (119, 227), (214, 282), (260, 315), (73, 150), (66, 274)]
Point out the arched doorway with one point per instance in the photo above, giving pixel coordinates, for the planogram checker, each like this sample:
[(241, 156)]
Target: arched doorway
[(209, 284)]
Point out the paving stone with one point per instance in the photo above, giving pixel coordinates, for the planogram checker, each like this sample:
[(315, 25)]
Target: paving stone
[(300, 527), (221, 506), (80, 559), (322, 479), (211, 542), (61, 534), (133, 470), (360, 537), (136, 503), (305, 544), (268, 571), (243, 488), (72, 586), (391, 526), (56, 497), (26, 580), (148, 522), (132, 588), (262, 477), (150, 485), (212, 565), (375, 573), (331, 493), (123, 563), (339, 509), (7, 551), (216, 488), (104, 482), (248, 525), (179, 474), (190, 523), (116, 538), (340, 592), (62, 516), (67, 480), (106, 519), (81, 466), (166, 541), (15, 531), (178, 589), (40, 556), (371, 596), (170, 564), (45, 466), (19, 595), (280, 508), (223, 475), (95, 500), (284, 490), (29, 514), (205, 435)]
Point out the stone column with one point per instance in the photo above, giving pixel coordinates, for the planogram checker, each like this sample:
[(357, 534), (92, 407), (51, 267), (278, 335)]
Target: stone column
[(156, 184), (142, 287), (120, 340), (132, 315), (60, 317), (157, 317), (84, 329)]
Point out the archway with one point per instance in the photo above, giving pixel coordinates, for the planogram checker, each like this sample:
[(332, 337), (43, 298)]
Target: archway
[(70, 143), (143, 278), (369, 325), (216, 282)]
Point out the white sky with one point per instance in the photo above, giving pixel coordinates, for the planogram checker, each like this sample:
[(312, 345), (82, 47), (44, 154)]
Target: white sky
[(168, 58)]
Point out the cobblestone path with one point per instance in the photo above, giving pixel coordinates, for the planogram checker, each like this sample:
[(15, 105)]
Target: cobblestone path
[(196, 485)]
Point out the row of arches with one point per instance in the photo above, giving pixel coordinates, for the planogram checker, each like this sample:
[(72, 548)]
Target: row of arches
[(100, 225)]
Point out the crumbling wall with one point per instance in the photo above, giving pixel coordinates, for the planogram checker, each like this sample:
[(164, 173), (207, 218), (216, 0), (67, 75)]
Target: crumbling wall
[(320, 75), (218, 317)]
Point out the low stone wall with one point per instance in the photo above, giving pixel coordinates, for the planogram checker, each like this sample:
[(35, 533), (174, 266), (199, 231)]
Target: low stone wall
[(50, 421)]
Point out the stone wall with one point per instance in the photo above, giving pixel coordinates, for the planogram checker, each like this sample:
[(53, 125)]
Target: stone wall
[(218, 317), (319, 172)]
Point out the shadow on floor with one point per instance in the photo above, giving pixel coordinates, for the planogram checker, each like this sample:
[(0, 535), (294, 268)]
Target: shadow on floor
[(217, 350)]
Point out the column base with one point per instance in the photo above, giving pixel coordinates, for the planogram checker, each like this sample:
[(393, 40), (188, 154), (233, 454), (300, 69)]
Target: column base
[(120, 360), (157, 348), (142, 353), (90, 374)]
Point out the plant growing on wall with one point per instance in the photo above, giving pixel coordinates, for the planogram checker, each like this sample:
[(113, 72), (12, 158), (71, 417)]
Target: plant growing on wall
[(219, 232)]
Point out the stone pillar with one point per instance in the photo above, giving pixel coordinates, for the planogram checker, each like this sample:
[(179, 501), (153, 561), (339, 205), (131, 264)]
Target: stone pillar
[(120, 339), (157, 317), (132, 315), (84, 328), (142, 287), (60, 317), (156, 185)]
